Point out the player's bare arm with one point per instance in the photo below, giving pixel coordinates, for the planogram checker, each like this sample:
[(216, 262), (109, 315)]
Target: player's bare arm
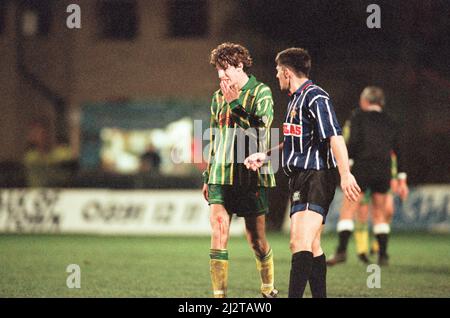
[(348, 182), (257, 160)]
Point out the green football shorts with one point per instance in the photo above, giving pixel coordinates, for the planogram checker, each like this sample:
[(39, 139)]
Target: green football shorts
[(367, 199), (243, 201)]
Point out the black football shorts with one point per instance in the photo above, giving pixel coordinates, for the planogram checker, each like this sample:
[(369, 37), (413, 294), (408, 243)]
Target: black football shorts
[(313, 190), (376, 178)]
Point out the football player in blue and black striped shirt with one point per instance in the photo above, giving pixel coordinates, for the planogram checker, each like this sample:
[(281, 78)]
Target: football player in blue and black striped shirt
[(313, 152)]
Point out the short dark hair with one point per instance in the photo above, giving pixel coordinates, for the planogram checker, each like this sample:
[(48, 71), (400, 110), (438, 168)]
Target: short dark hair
[(297, 59), (230, 54)]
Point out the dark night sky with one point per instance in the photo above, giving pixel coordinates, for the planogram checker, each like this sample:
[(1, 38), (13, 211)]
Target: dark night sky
[(408, 57), (324, 24)]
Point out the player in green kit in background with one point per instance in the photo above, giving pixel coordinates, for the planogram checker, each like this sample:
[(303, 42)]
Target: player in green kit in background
[(241, 103)]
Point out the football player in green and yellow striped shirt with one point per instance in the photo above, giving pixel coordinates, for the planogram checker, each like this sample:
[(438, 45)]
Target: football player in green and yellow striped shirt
[(241, 116)]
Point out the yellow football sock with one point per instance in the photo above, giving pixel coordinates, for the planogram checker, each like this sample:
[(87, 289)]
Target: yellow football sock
[(375, 246), (362, 238), (266, 271), (218, 265)]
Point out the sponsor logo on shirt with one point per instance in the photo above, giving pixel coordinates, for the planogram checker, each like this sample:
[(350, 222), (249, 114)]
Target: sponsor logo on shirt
[(292, 130)]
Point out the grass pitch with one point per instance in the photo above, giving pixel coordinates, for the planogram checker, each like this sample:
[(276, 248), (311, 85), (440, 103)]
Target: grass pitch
[(35, 266)]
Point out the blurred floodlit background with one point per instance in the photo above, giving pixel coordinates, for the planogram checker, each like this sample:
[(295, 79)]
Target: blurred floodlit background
[(111, 105)]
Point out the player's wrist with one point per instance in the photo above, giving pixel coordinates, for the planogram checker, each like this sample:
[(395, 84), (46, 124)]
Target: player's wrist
[(344, 170), (264, 158), (205, 176), (346, 175), (234, 103)]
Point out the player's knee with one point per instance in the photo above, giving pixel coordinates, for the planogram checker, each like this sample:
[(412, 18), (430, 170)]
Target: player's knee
[(219, 223), (218, 218), (259, 246)]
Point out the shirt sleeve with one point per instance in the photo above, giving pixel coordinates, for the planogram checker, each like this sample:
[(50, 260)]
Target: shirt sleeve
[(259, 115), (264, 107), (323, 111), (241, 116), (212, 125), (263, 110)]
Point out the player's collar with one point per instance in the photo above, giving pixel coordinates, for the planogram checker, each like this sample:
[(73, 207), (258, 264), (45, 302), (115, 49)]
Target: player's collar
[(251, 83), (302, 88)]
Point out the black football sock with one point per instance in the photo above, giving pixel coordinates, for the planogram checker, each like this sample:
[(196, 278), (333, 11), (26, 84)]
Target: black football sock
[(318, 278), (382, 243), (301, 268), (344, 236)]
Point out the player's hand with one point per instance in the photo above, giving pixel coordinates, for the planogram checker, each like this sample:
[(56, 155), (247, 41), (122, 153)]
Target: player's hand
[(205, 191), (403, 190), (230, 93), (350, 187), (255, 161)]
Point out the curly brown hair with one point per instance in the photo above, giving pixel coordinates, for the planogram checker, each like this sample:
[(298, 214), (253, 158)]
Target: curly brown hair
[(230, 54)]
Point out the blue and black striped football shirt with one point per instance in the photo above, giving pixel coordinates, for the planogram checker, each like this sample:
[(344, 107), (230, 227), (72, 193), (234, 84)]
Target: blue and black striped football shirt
[(308, 126)]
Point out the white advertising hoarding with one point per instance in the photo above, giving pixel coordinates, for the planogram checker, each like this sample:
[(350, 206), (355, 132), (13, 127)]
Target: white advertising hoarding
[(128, 212), (426, 209)]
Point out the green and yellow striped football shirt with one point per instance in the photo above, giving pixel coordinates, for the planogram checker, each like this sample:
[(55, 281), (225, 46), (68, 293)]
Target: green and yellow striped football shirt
[(226, 124)]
